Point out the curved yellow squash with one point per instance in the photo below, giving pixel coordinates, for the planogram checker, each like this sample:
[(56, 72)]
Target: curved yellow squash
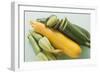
[(58, 40)]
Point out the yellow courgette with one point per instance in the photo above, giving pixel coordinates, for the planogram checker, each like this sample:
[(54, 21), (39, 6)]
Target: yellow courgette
[(58, 40)]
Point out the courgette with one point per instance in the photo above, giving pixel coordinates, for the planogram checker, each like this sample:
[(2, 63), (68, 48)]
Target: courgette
[(34, 44)]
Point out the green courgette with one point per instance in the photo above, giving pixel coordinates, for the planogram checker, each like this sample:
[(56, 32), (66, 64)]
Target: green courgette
[(34, 44)]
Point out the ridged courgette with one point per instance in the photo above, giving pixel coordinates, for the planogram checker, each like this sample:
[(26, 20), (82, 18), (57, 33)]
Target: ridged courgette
[(34, 44)]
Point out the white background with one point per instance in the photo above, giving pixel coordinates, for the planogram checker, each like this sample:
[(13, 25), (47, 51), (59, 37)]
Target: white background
[(5, 35)]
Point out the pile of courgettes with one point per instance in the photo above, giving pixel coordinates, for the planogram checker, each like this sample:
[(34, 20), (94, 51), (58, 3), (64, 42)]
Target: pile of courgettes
[(42, 46)]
